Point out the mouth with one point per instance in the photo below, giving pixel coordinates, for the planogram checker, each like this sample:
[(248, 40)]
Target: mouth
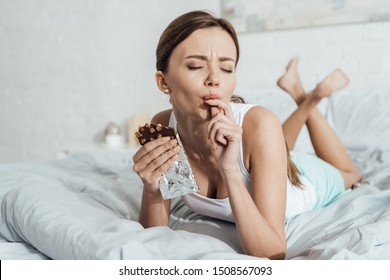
[(212, 96)]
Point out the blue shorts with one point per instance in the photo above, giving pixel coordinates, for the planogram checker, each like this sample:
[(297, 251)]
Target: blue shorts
[(325, 178)]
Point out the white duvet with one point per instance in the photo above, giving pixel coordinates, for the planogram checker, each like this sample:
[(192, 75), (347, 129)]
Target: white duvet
[(86, 206)]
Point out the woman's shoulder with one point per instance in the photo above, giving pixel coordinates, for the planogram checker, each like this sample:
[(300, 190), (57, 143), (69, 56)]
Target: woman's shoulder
[(259, 116), (260, 125), (162, 117), (262, 130)]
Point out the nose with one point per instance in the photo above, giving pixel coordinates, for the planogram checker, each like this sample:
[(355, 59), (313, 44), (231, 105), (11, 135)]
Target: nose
[(212, 79)]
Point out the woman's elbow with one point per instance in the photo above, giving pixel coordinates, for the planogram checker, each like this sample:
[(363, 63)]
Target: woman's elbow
[(278, 256), (277, 252)]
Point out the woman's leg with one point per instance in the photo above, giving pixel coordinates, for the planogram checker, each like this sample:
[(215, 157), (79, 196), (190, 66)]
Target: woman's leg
[(291, 83), (325, 142)]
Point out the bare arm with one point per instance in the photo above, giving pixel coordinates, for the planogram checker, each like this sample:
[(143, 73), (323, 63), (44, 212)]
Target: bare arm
[(154, 210), (152, 160), (259, 215)]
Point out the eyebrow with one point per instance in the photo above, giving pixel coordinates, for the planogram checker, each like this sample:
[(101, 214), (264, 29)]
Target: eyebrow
[(202, 57)]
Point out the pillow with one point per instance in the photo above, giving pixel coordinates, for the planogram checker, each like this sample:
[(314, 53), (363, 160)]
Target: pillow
[(362, 119)]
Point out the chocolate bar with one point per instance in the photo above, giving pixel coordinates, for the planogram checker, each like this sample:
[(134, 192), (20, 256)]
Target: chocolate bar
[(179, 179), (150, 132)]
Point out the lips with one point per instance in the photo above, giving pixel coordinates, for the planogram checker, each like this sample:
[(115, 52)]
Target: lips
[(212, 96)]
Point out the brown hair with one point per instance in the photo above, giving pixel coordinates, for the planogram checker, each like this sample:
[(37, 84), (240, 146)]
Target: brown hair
[(182, 27), (292, 170), (179, 30)]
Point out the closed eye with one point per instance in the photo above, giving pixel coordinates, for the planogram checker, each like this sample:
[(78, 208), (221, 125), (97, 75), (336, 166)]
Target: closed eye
[(194, 67), (227, 70)]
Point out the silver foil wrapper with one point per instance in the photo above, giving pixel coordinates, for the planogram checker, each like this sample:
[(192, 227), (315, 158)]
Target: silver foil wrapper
[(179, 179)]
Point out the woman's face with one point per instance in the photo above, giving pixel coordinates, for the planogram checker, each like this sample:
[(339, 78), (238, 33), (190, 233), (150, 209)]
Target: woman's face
[(201, 67)]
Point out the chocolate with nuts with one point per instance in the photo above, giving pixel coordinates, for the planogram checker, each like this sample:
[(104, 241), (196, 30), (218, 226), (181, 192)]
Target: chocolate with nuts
[(150, 132)]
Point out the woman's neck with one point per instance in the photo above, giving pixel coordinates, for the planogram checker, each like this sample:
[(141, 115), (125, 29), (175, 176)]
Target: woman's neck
[(195, 139)]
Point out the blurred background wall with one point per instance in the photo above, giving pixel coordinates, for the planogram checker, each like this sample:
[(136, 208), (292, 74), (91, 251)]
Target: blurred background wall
[(68, 68)]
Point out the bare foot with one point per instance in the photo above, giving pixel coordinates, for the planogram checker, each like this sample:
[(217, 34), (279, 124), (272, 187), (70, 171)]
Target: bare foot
[(290, 81), (333, 82)]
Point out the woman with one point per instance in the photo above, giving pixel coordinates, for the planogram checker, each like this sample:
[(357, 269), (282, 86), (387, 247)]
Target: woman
[(237, 151)]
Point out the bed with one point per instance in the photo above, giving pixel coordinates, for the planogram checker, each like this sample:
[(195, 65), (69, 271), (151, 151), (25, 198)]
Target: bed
[(86, 206)]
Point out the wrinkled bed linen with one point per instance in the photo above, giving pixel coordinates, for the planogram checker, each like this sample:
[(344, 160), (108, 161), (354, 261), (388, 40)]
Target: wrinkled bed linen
[(86, 207)]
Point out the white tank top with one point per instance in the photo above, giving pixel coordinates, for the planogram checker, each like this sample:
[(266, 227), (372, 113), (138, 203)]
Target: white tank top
[(298, 199)]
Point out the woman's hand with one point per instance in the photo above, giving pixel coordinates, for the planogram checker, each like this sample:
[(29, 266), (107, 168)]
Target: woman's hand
[(154, 159), (225, 135)]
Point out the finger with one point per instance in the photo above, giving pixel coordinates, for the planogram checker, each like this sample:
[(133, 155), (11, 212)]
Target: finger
[(166, 165), (214, 111), (220, 118), (151, 170), (145, 149), (161, 150), (158, 153), (220, 137), (159, 164), (217, 133), (145, 157), (222, 107), (215, 124), (211, 131)]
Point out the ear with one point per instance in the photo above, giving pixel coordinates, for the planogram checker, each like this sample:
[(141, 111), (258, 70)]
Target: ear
[(161, 83)]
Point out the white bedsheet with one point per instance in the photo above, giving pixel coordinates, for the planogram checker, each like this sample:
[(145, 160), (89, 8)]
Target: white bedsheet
[(86, 207), (18, 251), (357, 226)]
